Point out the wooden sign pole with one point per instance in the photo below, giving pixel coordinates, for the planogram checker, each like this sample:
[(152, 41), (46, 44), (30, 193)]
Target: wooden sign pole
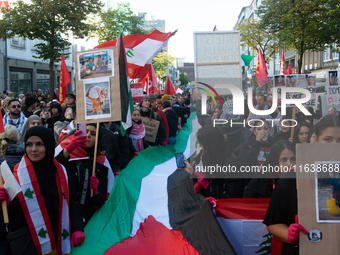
[(95, 155), (4, 205)]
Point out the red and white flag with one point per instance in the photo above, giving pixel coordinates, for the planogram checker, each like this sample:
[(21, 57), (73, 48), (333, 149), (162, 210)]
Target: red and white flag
[(140, 49), (241, 220), (215, 28), (283, 64)]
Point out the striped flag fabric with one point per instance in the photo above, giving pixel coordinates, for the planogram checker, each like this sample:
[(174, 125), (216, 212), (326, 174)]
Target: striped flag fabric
[(241, 220), (140, 49), (215, 28), (125, 90), (153, 210)]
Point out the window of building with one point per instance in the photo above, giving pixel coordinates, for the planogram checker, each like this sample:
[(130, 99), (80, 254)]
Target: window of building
[(159, 24), (18, 42), (82, 48), (335, 53), (20, 81), (327, 54)]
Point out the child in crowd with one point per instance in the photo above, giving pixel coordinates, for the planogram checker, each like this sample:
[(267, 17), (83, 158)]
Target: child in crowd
[(137, 133)]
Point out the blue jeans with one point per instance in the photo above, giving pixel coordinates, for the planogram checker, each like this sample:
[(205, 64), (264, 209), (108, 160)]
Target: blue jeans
[(172, 140)]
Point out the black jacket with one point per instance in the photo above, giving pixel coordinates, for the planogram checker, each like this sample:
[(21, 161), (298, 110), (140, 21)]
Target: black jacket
[(172, 119), (78, 170), (250, 150), (228, 186), (123, 145), (161, 133)]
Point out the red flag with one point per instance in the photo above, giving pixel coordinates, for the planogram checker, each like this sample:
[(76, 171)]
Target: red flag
[(2, 128), (64, 80), (289, 69), (261, 70), (149, 80), (169, 88), (283, 64), (140, 49)]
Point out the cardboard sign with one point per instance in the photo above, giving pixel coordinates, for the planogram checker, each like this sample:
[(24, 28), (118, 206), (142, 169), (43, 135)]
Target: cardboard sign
[(217, 58), (151, 129), (313, 167), (97, 84), (137, 92)]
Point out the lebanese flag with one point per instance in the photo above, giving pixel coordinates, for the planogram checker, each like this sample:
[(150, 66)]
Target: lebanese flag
[(289, 69), (153, 210), (140, 49), (169, 88), (64, 80), (261, 70), (178, 90), (241, 220), (283, 64)]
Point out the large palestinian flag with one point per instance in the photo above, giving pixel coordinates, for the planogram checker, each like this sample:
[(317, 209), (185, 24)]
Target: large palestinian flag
[(153, 209)]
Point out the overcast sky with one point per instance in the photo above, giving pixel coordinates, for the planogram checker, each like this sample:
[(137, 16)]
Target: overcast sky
[(189, 16)]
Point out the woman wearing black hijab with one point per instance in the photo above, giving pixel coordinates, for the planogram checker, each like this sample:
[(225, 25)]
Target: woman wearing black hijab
[(77, 153), (41, 216)]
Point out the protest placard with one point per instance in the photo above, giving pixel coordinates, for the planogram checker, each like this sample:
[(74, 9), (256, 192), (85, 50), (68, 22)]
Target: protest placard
[(97, 85), (151, 129), (137, 92), (313, 171)]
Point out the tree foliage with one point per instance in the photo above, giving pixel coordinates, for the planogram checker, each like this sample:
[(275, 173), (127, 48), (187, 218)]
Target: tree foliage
[(183, 78), (115, 20), (50, 21), (161, 62), (256, 36), (302, 25)]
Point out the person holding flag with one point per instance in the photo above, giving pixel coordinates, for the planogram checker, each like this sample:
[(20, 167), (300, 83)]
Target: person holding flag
[(76, 153), (45, 217)]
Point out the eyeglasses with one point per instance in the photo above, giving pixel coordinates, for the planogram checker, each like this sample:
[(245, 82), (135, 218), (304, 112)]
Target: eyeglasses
[(16, 106)]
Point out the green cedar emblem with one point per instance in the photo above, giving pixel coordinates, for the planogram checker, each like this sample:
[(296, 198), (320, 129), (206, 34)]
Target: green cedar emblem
[(65, 234), (42, 233), (29, 193), (267, 245)]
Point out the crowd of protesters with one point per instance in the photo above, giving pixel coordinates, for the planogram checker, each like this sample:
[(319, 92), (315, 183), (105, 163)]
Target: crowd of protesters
[(40, 139)]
